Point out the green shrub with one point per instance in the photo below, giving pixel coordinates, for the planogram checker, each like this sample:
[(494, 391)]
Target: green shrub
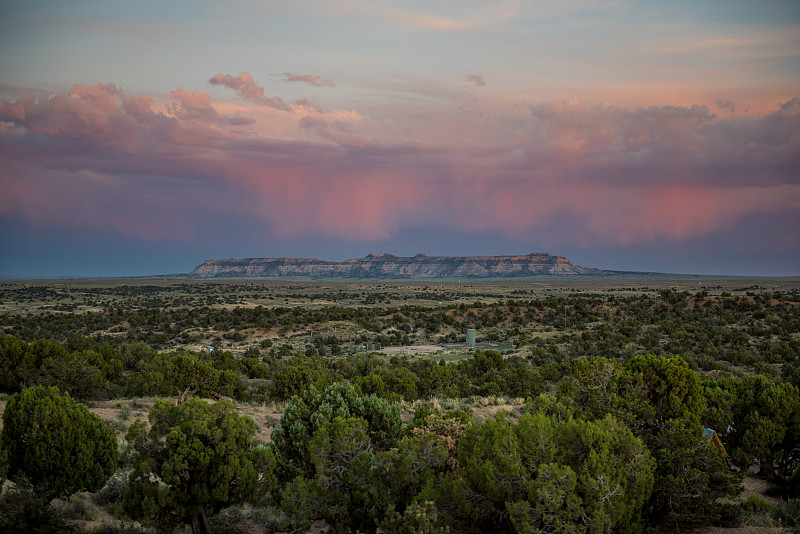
[(76, 508), (228, 520), (124, 528), (306, 414), (124, 413), (22, 511), (548, 475), (56, 445), (196, 459), (111, 495), (418, 518), (788, 514)]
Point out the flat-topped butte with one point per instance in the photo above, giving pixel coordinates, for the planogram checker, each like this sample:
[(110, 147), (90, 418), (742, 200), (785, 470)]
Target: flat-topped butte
[(389, 266)]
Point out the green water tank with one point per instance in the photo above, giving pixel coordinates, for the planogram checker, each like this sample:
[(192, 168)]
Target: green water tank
[(471, 335)]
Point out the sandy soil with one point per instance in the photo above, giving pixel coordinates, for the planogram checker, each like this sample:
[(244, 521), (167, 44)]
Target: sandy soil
[(411, 350)]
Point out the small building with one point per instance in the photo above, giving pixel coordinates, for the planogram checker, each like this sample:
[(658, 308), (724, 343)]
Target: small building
[(372, 346)]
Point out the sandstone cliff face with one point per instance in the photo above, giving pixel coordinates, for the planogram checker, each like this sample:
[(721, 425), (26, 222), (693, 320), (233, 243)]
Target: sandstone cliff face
[(390, 266)]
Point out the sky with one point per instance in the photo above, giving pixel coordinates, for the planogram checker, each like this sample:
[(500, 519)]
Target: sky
[(141, 138)]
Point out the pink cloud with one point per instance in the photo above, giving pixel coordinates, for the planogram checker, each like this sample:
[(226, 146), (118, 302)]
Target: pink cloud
[(103, 117), (193, 100), (573, 130), (247, 89), (345, 203), (84, 111), (592, 215), (478, 80), (726, 104), (89, 201), (563, 173), (194, 106), (338, 131), (316, 81)]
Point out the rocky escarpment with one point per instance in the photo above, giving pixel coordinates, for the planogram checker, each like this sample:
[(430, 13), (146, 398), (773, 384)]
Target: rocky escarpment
[(394, 267)]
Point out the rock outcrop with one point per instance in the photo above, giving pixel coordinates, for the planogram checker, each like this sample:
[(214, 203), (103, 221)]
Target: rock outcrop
[(389, 266)]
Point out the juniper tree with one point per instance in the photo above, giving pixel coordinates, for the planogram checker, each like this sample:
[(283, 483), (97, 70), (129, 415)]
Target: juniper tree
[(309, 413), (55, 444), (196, 458)]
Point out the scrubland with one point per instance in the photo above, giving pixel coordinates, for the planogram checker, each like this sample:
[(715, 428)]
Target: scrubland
[(582, 407)]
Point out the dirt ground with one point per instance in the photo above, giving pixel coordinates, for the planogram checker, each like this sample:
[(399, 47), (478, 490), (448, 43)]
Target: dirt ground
[(411, 350)]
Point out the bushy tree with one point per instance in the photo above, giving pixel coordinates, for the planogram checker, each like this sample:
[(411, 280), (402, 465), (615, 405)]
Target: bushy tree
[(661, 400), (596, 386), (520, 379), (690, 478), (22, 511), (293, 379), (307, 414), (485, 361), (355, 486), (764, 422), (196, 458), (544, 475), (182, 375), (188, 376), (671, 390), (75, 374), (83, 373), (720, 398), (667, 403), (56, 445), (333, 450), (47, 363), (392, 479), (15, 363)]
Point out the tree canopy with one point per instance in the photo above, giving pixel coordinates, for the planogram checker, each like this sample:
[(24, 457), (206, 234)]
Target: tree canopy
[(55, 444), (196, 458)]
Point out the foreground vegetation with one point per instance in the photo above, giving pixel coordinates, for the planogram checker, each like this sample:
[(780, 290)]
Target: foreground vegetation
[(614, 394)]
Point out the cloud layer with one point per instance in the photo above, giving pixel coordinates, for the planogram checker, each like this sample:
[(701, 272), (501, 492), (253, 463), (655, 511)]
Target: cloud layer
[(246, 87), (310, 79), (552, 174)]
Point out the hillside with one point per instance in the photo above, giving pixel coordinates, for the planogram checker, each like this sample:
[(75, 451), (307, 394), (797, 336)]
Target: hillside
[(389, 266)]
